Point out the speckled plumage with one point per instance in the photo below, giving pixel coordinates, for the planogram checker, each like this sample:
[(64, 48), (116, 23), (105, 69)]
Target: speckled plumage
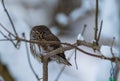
[(42, 33)]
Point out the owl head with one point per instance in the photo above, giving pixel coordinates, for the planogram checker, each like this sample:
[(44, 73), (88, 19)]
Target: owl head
[(39, 32)]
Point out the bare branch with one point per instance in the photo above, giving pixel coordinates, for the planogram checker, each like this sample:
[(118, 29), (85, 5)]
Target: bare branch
[(96, 22), (8, 38), (3, 35), (76, 59), (111, 48), (70, 46), (61, 71), (9, 18), (100, 31), (17, 43), (7, 30), (29, 61), (84, 28)]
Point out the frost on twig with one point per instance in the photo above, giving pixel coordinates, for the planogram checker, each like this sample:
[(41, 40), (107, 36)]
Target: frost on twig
[(80, 37)]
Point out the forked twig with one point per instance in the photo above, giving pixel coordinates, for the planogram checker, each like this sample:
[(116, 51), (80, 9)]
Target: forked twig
[(7, 38), (96, 22), (7, 30), (16, 44), (29, 60), (4, 35), (12, 24)]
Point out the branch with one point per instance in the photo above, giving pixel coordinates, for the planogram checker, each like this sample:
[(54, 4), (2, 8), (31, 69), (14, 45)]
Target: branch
[(76, 59), (70, 46), (29, 60), (9, 18), (100, 31), (8, 39), (111, 48), (7, 30), (84, 28), (96, 22)]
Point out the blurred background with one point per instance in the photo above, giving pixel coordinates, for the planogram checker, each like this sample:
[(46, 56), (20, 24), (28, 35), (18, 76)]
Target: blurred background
[(66, 20)]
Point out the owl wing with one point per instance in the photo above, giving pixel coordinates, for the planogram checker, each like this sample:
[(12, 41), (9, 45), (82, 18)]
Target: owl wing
[(52, 37)]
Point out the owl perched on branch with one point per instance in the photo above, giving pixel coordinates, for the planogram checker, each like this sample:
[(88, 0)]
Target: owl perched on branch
[(42, 33)]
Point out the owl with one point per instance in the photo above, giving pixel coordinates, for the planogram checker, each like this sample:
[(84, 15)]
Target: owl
[(43, 33)]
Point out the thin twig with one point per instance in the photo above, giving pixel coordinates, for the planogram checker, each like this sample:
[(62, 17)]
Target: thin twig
[(60, 73), (10, 39), (83, 31), (63, 68), (100, 31), (6, 40), (111, 48), (115, 68), (17, 44), (96, 23), (70, 46), (112, 71), (84, 28), (76, 59), (116, 72), (3, 35), (29, 61), (12, 24), (7, 30)]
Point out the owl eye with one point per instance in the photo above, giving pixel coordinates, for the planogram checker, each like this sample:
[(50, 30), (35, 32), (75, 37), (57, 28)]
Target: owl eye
[(43, 32)]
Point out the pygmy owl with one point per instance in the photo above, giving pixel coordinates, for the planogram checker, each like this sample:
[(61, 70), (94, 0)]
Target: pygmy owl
[(42, 33)]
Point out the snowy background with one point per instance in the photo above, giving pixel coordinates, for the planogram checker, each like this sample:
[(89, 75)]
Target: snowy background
[(66, 20)]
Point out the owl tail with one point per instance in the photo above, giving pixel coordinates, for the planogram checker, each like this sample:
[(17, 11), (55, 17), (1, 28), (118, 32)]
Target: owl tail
[(65, 61)]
